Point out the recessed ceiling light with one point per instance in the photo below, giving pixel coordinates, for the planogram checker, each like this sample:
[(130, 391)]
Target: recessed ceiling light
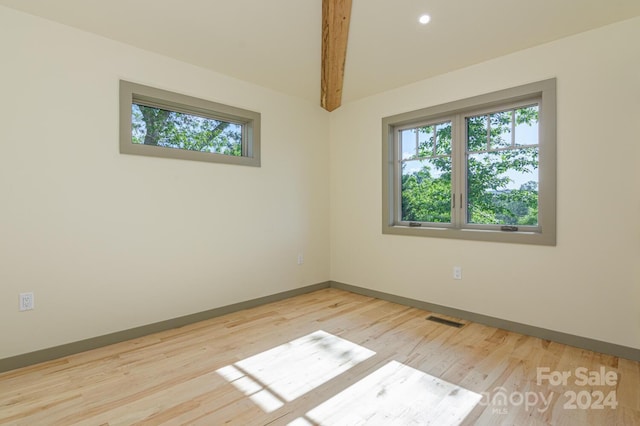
[(424, 19)]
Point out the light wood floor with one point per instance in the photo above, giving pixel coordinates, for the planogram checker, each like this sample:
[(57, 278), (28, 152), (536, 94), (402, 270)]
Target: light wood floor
[(328, 357)]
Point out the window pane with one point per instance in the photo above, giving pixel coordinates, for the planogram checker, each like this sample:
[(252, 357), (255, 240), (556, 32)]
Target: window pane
[(527, 126), (501, 129), (171, 129), (408, 142), (426, 141), (426, 190), (503, 187), (477, 133), (443, 144)]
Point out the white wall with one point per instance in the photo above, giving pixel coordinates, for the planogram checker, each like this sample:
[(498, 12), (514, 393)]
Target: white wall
[(109, 242), (588, 285)]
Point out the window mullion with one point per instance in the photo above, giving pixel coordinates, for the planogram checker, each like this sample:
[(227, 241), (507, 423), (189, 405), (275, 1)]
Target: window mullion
[(462, 172), (458, 150), (488, 132), (513, 128), (397, 172)]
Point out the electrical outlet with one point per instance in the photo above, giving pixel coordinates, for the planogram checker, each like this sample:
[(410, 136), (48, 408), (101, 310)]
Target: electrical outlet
[(27, 302), (300, 258), (457, 273)]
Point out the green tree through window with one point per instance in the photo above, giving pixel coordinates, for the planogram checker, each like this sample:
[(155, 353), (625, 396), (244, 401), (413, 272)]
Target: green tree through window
[(501, 150), (497, 158), (426, 175), (171, 129)]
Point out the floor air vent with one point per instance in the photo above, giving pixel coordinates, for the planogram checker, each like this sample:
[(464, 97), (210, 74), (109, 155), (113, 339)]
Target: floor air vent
[(445, 321)]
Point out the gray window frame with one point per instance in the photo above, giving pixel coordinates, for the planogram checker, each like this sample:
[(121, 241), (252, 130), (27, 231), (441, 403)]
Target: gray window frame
[(544, 94), (131, 93)]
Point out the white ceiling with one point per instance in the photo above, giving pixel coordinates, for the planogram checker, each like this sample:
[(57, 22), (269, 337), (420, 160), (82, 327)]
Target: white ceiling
[(276, 43)]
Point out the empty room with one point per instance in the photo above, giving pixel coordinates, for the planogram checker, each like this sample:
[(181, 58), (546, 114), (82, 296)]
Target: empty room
[(319, 212)]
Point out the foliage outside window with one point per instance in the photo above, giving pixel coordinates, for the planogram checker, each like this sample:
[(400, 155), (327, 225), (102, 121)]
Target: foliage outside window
[(481, 168), (165, 124)]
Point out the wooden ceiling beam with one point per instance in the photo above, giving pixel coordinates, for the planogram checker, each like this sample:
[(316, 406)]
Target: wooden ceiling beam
[(336, 15)]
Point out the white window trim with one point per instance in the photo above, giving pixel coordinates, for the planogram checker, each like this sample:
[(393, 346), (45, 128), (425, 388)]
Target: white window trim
[(137, 93), (544, 234)]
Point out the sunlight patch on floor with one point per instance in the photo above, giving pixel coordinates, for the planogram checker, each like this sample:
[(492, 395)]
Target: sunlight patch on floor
[(288, 371), (395, 394)]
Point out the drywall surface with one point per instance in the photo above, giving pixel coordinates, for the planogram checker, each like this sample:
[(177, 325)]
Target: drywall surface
[(108, 241), (588, 284)]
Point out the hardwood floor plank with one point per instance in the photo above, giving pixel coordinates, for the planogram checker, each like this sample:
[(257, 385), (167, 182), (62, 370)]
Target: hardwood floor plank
[(176, 377)]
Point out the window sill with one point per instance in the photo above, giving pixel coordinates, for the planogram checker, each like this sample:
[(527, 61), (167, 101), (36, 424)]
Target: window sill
[(517, 237)]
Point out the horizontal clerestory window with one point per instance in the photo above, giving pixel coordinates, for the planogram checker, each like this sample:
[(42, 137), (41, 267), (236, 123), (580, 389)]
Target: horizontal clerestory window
[(160, 123)]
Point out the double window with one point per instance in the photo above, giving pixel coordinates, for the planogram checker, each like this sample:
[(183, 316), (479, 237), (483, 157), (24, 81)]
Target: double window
[(159, 123), (481, 168)]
